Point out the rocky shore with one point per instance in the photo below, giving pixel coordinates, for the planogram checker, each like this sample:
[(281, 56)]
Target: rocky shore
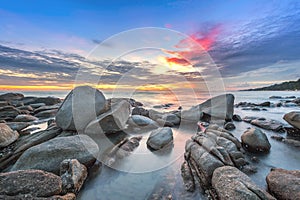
[(56, 162)]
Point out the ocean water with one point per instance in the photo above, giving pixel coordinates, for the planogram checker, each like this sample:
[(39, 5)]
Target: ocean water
[(156, 175)]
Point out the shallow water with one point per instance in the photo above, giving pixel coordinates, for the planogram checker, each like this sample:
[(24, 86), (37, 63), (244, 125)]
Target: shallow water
[(153, 175), (165, 178)]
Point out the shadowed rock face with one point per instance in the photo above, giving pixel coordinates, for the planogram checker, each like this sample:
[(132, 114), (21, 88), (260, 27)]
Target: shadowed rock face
[(48, 155), (80, 107), (231, 183), (284, 184), (35, 182)]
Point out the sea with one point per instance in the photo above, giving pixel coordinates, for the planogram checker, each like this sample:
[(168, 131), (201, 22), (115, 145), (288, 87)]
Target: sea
[(151, 175)]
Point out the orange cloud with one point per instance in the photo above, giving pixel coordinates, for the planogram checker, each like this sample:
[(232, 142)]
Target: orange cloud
[(178, 61)]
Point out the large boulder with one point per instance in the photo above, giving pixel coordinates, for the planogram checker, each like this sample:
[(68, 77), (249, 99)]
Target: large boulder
[(231, 184), (219, 107), (11, 96), (160, 138), (293, 118), (79, 108), (73, 175), (254, 140), (111, 121), (48, 155), (284, 184), (35, 182), (7, 135)]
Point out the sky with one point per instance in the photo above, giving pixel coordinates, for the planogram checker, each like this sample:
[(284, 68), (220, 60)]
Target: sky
[(148, 45)]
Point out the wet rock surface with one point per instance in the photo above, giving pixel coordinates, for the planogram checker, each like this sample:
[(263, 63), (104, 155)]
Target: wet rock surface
[(254, 140), (231, 183), (284, 184), (160, 138)]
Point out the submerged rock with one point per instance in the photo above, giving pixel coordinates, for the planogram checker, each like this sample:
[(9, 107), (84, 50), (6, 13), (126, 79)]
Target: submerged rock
[(7, 135), (230, 183), (284, 184), (73, 175), (293, 118), (111, 121), (254, 140), (79, 108), (35, 182), (48, 155), (121, 150), (160, 138)]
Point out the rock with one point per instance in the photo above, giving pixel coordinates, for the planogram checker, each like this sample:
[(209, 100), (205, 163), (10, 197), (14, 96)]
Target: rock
[(220, 107), (25, 118), (171, 118), (275, 97), (73, 175), (29, 108), (7, 135), (163, 123), (121, 150), (255, 109), (248, 119), (112, 121), (229, 126), (3, 103), (44, 108), (139, 120), (140, 111), (254, 140), (35, 182), (290, 97), (11, 96), (48, 155), (293, 118), (155, 115), (79, 108), (265, 104), (25, 142), (46, 114), (160, 138), (295, 143), (18, 126), (69, 196), (37, 105), (187, 177), (290, 104), (297, 100), (231, 184), (237, 118), (267, 124), (292, 132), (41, 100), (9, 112), (284, 184)]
